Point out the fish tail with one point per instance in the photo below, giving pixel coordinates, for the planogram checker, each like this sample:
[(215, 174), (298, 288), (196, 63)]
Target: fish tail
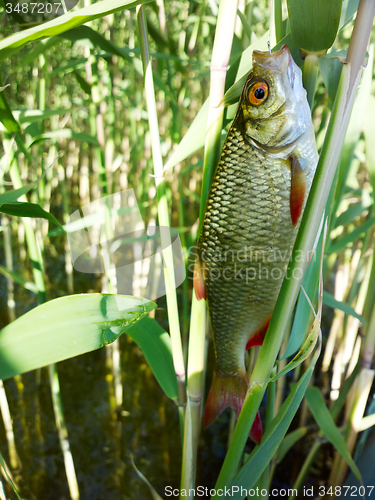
[(229, 390)]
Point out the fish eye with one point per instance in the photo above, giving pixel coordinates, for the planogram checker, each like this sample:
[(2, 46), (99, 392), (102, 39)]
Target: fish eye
[(258, 93)]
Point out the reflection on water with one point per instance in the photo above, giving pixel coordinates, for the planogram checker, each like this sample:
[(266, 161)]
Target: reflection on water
[(102, 438)]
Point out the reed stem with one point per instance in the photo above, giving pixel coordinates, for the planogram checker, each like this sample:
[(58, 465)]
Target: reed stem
[(163, 210), (313, 213)]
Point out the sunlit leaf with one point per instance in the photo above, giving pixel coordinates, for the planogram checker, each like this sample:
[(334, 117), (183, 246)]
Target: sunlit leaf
[(14, 43), (66, 327)]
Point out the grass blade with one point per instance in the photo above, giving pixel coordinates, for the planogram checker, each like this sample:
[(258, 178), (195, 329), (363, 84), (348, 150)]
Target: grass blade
[(157, 347), (324, 420), (59, 330), (14, 43)]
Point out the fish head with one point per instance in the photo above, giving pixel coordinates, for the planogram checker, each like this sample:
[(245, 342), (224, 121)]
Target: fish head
[(273, 108)]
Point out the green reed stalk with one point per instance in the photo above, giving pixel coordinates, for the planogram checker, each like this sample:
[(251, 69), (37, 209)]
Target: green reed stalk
[(195, 380), (4, 406), (220, 58), (278, 13), (219, 64), (36, 259), (163, 210), (310, 75), (320, 189)]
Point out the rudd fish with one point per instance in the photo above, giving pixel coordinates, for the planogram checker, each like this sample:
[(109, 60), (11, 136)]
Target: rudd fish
[(252, 217)]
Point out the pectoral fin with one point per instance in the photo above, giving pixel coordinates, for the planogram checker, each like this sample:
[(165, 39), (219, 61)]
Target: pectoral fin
[(297, 189), (257, 337), (198, 280)]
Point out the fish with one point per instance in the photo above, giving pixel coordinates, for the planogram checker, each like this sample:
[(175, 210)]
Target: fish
[(252, 216)]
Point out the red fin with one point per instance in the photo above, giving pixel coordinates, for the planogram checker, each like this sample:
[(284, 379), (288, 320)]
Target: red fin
[(198, 280), (297, 189), (258, 337), (256, 430), (227, 390)]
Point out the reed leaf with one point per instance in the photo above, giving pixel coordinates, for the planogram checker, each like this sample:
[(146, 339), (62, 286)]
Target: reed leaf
[(324, 420), (13, 43), (25, 209), (157, 348), (314, 23), (66, 327)]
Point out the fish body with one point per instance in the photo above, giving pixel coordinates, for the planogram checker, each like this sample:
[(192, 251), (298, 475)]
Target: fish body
[(252, 216)]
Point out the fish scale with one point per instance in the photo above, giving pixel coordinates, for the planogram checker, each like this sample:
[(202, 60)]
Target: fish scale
[(252, 216), (254, 194)]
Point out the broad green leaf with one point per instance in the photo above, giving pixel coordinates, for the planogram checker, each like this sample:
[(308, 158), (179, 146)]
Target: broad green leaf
[(330, 301), (262, 454), (314, 23), (14, 43), (25, 209), (66, 327), (29, 285), (14, 194), (157, 348), (324, 420)]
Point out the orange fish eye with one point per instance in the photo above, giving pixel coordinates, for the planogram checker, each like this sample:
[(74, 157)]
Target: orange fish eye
[(258, 93)]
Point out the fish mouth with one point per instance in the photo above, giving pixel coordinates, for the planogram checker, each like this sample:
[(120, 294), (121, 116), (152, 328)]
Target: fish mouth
[(260, 54), (281, 61)]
